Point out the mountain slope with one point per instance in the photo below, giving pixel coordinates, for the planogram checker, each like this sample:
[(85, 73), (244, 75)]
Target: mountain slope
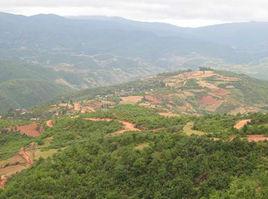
[(191, 92), (102, 51), (25, 85)]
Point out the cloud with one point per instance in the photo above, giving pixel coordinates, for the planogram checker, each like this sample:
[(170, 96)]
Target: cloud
[(194, 12)]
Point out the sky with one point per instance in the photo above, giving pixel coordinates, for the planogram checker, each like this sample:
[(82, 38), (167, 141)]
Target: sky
[(187, 13)]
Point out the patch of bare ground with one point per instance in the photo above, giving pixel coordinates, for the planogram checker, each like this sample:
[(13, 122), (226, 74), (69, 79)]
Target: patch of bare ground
[(221, 92), (227, 79), (179, 80), (208, 85), (168, 114), (131, 99), (127, 126), (98, 119), (257, 138), (24, 159), (20, 161), (152, 99), (240, 124), (210, 103), (243, 110), (31, 130), (50, 123)]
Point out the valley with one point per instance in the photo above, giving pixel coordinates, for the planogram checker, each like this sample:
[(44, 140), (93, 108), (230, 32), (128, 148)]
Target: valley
[(54, 56), (106, 107)]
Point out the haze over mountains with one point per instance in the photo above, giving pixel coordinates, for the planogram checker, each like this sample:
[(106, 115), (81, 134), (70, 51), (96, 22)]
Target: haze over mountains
[(105, 107), (78, 53)]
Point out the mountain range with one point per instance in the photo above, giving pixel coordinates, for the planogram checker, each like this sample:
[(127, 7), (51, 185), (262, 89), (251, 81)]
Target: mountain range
[(70, 54)]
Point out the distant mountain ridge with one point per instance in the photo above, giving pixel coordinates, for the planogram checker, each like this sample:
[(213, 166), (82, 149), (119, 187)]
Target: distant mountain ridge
[(101, 51)]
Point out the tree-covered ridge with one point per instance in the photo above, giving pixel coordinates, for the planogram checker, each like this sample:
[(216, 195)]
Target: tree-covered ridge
[(160, 161)]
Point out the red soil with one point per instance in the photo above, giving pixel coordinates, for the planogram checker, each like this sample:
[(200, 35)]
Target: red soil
[(20, 161), (26, 156), (257, 138), (221, 92), (241, 124), (209, 101), (3, 181), (127, 126), (50, 123), (32, 130), (152, 99)]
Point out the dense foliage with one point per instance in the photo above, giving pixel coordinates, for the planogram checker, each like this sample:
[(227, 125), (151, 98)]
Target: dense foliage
[(146, 164), (10, 143)]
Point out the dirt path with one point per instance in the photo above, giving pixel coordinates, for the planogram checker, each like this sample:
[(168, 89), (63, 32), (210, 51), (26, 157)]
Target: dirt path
[(240, 124), (131, 99), (127, 126)]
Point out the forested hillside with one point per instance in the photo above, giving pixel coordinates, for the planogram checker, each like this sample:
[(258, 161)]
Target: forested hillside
[(26, 85), (133, 152)]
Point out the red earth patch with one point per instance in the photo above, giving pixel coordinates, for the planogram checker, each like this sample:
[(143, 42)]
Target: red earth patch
[(221, 92), (32, 130), (209, 101), (152, 99), (3, 181), (257, 138)]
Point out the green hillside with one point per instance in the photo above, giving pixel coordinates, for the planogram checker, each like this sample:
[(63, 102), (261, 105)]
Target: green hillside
[(26, 85), (99, 155)]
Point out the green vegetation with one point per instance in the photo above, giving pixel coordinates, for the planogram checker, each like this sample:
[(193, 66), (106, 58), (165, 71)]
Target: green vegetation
[(209, 92), (90, 164), (143, 118), (10, 143), (258, 124), (216, 125), (25, 85)]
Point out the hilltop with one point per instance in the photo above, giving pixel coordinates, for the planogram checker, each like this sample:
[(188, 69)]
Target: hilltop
[(187, 92)]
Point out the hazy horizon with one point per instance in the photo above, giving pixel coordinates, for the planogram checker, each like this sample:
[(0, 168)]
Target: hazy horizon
[(120, 17), (182, 13)]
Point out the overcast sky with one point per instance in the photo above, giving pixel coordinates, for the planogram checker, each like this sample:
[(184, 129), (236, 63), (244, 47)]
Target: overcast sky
[(179, 12)]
